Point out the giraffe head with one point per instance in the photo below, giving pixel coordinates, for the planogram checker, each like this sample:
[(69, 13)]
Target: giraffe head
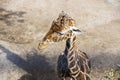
[(60, 30)]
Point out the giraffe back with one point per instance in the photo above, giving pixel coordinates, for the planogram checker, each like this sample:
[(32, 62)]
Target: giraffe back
[(67, 69), (73, 63)]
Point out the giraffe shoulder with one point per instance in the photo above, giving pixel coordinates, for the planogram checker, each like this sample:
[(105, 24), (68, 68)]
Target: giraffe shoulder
[(84, 61), (83, 54)]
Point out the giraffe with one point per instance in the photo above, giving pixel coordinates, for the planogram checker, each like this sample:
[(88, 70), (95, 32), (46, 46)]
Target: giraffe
[(58, 27), (72, 64)]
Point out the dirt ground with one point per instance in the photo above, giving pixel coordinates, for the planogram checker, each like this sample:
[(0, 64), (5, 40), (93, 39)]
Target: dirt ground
[(23, 23)]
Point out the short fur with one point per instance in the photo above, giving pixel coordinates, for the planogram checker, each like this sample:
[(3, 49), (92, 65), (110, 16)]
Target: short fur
[(73, 64)]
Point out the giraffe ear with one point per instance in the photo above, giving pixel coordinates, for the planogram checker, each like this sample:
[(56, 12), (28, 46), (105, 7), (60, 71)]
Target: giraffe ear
[(75, 30)]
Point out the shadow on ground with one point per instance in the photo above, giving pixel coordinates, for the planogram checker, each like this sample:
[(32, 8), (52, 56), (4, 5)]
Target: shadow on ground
[(36, 65), (105, 60), (106, 66), (9, 17), (39, 67)]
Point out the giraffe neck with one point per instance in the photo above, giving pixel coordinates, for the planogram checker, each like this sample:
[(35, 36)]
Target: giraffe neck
[(70, 45), (70, 52)]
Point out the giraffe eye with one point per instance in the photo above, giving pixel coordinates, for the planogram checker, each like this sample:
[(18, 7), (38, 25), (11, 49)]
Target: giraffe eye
[(60, 33), (76, 30)]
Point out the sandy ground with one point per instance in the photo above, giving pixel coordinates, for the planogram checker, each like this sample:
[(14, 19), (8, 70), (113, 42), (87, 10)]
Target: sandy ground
[(23, 23)]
